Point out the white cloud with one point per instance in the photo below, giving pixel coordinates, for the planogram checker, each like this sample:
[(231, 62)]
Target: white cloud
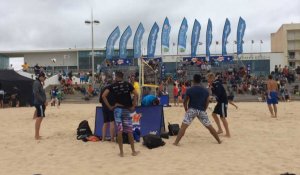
[(50, 24)]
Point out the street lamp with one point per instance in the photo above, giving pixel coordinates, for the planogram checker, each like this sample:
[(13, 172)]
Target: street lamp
[(92, 22)]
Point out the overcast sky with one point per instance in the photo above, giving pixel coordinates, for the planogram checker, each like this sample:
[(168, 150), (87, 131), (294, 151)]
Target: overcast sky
[(59, 24)]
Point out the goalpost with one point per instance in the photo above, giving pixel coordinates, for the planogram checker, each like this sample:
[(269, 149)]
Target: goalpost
[(150, 76)]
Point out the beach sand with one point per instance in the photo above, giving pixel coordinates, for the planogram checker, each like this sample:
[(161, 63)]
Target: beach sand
[(259, 144)]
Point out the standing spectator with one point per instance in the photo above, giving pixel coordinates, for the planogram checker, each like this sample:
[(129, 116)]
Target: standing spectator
[(1, 96), (11, 67), (122, 109), (81, 77), (298, 72), (175, 94), (25, 67), (276, 70), (37, 69), (280, 69), (39, 102), (285, 71), (108, 115)]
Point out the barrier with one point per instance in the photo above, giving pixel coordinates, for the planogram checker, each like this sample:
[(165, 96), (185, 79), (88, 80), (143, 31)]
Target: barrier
[(152, 120), (164, 100)]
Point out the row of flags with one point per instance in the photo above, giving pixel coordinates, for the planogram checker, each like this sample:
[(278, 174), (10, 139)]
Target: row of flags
[(165, 39)]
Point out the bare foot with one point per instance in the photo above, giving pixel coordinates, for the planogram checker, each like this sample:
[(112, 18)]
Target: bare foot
[(176, 144), (220, 141), (38, 137), (227, 135), (219, 132), (135, 153), (121, 154)]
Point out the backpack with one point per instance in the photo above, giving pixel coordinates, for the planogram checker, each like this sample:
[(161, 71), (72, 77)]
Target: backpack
[(153, 141), (83, 130), (173, 129)]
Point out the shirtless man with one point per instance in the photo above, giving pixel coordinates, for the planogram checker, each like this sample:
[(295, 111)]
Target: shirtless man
[(272, 98)]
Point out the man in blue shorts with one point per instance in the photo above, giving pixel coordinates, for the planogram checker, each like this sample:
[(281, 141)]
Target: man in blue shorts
[(272, 96), (195, 104), (123, 108)]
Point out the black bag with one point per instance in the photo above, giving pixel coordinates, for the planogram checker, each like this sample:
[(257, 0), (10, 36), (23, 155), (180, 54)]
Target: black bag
[(164, 135), (173, 129), (83, 130), (153, 141)]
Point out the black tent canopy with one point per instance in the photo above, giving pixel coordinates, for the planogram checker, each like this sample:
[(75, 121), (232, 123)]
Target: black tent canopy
[(11, 82)]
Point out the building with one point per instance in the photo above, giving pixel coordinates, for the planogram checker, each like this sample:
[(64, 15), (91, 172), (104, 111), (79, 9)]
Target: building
[(287, 41), (4, 62), (73, 59), (80, 59)]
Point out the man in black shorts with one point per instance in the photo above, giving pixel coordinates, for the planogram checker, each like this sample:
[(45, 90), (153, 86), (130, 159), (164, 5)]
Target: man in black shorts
[(123, 109), (39, 102), (108, 115), (222, 103)]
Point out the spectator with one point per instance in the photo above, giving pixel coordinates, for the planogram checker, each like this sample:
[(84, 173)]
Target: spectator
[(25, 67), (175, 94), (11, 67), (37, 69)]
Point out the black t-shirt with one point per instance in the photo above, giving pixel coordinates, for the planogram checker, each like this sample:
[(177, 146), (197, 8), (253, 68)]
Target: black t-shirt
[(122, 92), (110, 98), (219, 91)]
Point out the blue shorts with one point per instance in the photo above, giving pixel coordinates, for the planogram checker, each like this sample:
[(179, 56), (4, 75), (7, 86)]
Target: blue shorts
[(123, 120), (273, 99)]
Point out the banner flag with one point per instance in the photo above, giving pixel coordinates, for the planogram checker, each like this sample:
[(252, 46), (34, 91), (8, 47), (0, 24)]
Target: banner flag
[(226, 32), (181, 47), (208, 37), (152, 41), (137, 46), (123, 42), (165, 36), (240, 35), (113, 37), (195, 38)]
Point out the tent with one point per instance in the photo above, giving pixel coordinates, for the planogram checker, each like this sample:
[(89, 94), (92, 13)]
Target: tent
[(9, 79)]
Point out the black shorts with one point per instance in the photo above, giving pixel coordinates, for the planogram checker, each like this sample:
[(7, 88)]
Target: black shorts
[(108, 116), (221, 109), (230, 97), (40, 110)]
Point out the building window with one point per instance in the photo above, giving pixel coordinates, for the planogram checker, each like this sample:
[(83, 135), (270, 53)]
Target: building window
[(291, 55), (292, 64)]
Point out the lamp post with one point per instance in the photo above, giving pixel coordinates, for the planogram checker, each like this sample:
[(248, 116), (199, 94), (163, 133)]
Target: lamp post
[(92, 22)]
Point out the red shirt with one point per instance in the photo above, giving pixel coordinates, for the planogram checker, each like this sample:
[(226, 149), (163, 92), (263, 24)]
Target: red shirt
[(175, 91), (183, 89)]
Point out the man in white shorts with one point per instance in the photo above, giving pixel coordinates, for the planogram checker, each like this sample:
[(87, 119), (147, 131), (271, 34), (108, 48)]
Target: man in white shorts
[(195, 104)]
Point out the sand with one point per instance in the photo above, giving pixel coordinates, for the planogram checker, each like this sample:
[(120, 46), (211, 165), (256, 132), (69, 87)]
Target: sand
[(259, 144)]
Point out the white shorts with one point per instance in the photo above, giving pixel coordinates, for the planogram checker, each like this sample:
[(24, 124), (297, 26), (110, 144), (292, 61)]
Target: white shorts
[(192, 113)]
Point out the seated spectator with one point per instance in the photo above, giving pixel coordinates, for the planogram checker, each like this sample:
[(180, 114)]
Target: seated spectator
[(91, 92), (150, 100), (287, 95), (76, 87)]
